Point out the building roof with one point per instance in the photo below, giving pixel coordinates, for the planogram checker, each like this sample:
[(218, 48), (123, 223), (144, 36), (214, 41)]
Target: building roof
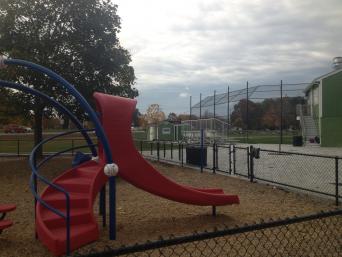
[(318, 79)]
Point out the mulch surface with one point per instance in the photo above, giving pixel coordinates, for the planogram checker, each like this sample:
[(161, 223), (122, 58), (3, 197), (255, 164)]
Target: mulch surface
[(142, 216)]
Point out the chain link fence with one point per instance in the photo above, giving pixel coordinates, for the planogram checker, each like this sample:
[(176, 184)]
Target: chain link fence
[(264, 113), (312, 173), (314, 235)]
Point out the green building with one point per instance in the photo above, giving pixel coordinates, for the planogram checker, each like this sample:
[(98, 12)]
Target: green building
[(166, 131), (321, 118)]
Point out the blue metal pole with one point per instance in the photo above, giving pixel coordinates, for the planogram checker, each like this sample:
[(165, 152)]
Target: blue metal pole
[(112, 208)]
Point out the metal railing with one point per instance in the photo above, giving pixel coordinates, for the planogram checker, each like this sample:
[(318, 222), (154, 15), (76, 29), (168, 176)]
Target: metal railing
[(311, 173), (21, 147), (36, 176)]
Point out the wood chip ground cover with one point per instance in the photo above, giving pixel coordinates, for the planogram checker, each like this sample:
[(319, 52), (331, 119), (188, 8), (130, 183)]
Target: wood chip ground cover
[(142, 216)]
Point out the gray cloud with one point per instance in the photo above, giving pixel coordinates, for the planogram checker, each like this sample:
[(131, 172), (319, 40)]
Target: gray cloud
[(229, 42)]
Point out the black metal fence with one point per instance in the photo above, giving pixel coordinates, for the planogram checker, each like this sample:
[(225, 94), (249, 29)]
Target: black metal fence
[(23, 147), (313, 235), (312, 173)]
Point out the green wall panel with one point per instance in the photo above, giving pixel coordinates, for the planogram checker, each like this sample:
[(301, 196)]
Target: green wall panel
[(331, 131), (166, 131), (332, 95)]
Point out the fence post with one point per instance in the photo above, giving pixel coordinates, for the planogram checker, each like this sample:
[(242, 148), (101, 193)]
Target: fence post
[(234, 160), (214, 158), (248, 162), (164, 149), (336, 180), (171, 150), (158, 148), (230, 159), (18, 147), (251, 162), (202, 150), (182, 147), (247, 114), (141, 146), (179, 152), (151, 146)]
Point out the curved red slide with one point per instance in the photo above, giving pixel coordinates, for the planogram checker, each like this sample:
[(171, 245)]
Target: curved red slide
[(116, 116)]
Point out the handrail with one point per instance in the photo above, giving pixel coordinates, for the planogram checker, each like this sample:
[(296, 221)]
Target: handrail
[(55, 104), (32, 157), (71, 89), (33, 184), (49, 157)]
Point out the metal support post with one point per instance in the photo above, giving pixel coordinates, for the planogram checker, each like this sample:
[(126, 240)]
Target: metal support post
[(214, 158), (214, 211), (251, 162), (158, 149), (247, 114), (336, 181), (202, 150), (182, 148), (230, 159), (171, 150)]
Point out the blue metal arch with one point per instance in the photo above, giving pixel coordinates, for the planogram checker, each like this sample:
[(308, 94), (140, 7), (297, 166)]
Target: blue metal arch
[(98, 128), (55, 104), (72, 90)]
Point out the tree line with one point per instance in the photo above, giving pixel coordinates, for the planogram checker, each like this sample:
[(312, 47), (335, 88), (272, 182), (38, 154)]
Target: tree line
[(266, 114)]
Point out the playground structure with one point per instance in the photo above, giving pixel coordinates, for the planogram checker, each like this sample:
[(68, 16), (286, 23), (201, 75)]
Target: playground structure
[(64, 210)]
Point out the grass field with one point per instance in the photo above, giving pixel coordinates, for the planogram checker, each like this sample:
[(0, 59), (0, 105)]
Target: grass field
[(23, 143)]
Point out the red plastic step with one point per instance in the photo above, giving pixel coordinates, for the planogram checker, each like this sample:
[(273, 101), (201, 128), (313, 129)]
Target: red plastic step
[(82, 184), (58, 200), (77, 216), (5, 224), (79, 235), (76, 185)]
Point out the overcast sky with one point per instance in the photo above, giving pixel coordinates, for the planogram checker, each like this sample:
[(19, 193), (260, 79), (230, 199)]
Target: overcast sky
[(184, 47)]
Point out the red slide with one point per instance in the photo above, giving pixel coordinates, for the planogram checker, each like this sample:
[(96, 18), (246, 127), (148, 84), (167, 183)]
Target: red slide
[(116, 116)]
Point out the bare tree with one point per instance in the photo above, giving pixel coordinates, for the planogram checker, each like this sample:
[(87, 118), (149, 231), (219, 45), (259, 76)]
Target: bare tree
[(154, 114)]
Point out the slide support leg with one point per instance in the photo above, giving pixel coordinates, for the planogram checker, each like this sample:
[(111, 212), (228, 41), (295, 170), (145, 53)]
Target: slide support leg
[(214, 211)]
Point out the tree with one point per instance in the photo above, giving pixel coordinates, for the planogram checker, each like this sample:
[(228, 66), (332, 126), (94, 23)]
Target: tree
[(142, 121), (135, 117), (182, 117), (154, 114), (77, 39), (172, 117), (239, 115)]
